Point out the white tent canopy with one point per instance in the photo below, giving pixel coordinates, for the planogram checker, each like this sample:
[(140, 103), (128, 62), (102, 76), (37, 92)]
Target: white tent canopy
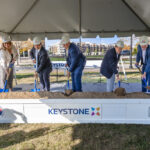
[(22, 19)]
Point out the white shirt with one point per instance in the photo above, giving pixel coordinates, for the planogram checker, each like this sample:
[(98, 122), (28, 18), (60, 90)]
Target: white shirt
[(143, 54), (37, 51)]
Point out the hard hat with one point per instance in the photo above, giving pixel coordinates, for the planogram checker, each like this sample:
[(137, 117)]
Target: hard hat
[(144, 40), (6, 39), (120, 44), (65, 39), (36, 40)]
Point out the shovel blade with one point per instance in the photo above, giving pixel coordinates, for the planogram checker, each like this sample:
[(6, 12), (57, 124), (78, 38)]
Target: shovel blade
[(34, 90), (2, 90)]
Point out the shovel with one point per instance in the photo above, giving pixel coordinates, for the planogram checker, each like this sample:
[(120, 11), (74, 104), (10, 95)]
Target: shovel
[(6, 90), (35, 88), (147, 87), (120, 91), (35, 82), (68, 91), (138, 67)]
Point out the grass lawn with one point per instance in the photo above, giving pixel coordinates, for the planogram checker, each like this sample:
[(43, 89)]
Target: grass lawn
[(89, 76), (87, 57), (74, 137), (57, 59)]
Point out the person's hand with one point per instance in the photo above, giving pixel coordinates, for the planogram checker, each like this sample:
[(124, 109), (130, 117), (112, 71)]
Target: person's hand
[(66, 65), (36, 75), (34, 61), (144, 75), (117, 76), (13, 61), (68, 74), (137, 64)]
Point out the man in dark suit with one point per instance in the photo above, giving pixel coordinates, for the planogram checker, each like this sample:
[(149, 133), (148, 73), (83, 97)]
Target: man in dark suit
[(109, 65), (43, 64), (75, 61), (143, 56)]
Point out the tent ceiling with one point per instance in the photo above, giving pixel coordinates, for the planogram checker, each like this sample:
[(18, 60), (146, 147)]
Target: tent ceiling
[(27, 18)]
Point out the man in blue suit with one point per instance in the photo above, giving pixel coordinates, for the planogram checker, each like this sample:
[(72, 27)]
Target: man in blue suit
[(75, 61), (143, 56), (109, 65)]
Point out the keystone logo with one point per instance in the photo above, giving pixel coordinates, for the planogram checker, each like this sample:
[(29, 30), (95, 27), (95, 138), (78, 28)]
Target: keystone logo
[(95, 111)]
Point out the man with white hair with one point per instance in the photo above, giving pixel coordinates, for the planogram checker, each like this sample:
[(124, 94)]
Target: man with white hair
[(143, 56), (75, 61), (109, 65), (43, 64)]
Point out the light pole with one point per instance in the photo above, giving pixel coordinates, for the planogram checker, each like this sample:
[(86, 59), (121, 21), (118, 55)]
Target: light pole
[(131, 48)]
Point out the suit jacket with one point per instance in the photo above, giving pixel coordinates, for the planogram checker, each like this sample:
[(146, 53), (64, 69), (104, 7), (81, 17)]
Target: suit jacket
[(139, 58), (75, 57), (43, 59), (109, 63)]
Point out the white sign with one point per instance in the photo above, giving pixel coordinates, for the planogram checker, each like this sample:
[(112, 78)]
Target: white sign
[(58, 65), (132, 111)]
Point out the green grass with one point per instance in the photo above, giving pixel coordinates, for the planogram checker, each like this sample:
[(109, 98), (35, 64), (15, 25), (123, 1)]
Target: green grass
[(63, 58), (24, 75), (74, 137), (96, 56), (88, 77), (57, 59)]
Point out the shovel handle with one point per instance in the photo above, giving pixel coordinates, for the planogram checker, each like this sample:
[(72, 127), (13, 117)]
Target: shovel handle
[(138, 67), (144, 81), (68, 84), (35, 84), (119, 83), (9, 71), (5, 86)]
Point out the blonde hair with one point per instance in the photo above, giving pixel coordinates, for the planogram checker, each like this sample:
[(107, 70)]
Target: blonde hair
[(4, 48)]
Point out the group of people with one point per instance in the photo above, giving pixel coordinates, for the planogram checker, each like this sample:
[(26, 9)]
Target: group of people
[(75, 63), (109, 67)]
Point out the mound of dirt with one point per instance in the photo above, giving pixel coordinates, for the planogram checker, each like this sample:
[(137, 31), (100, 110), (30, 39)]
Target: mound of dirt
[(120, 91), (68, 92), (76, 95)]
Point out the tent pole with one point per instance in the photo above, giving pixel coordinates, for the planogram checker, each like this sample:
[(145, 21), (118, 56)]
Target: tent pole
[(80, 9), (131, 47)]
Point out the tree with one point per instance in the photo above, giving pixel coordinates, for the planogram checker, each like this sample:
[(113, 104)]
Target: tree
[(134, 51)]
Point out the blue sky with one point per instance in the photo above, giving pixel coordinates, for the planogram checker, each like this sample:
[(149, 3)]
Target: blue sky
[(96, 40)]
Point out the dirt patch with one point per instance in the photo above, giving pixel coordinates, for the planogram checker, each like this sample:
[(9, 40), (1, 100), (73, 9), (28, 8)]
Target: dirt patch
[(120, 91), (77, 95), (68, 92)]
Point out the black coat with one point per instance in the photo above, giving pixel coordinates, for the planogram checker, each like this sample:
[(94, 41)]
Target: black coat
[(109, 63), (43, 59)]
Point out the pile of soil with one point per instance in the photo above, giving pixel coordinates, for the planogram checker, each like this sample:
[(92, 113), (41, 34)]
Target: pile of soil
[(120, 91), (77, 95), (68, 92)]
